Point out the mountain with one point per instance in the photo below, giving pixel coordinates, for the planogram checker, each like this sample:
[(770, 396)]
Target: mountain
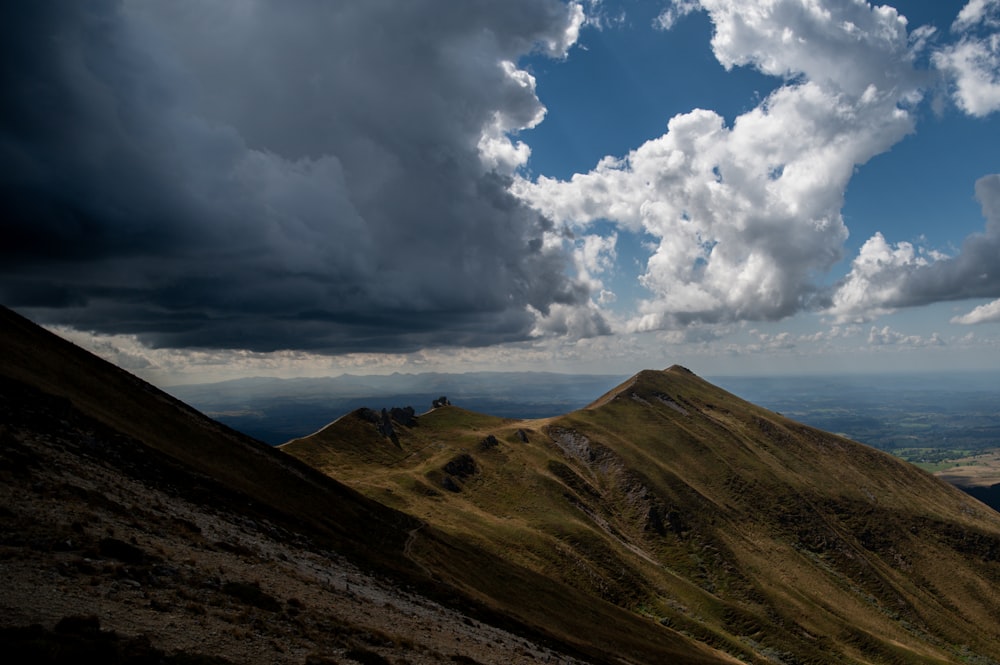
[(668, 497), (667, 522), (133, 529)]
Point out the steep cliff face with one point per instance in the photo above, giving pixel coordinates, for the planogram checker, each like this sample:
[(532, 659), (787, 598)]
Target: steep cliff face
[(764, 538)]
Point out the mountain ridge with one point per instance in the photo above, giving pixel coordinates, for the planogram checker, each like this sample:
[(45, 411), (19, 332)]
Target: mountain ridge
[(707, 506)]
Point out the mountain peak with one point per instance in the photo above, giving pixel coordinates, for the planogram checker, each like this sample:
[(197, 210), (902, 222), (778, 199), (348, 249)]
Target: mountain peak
[(649, 382)]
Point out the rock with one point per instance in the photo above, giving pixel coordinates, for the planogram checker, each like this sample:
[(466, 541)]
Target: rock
[(385, 425), (113, 548), (405, 416), (440, 401), (461, 466), (89, 626)]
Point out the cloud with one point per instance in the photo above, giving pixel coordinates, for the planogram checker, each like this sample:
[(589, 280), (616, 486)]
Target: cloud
[(846, 46), (675, 11), (876, 279), (594, 256), (254, 175), (988, 313), (600, 17), (973, 63), (986, 12), (886, 336), (746, 216), (885, 277)]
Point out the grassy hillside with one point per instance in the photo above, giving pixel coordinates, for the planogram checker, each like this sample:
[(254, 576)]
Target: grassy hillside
[(756, 535)]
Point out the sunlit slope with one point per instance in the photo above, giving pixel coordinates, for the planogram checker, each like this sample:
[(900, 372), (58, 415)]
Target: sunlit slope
[(754, 534)]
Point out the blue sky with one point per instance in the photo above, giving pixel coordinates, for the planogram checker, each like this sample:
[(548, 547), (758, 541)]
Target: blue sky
[(203, 190)]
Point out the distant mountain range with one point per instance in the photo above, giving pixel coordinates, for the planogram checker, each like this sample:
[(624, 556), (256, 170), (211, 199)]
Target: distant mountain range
[(667, 521)]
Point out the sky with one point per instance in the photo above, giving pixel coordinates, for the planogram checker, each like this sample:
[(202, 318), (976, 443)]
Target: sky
[(204, 189)]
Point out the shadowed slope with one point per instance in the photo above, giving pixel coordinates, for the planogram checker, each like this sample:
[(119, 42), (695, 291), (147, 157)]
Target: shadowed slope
[(757, 535), (136, 409)]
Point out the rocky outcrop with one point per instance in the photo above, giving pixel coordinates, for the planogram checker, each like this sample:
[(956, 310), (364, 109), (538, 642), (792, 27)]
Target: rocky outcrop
[(384, 421), (405, 416), (461, 466), (638, 505), (457, 470), (573, 444), (385, 427)]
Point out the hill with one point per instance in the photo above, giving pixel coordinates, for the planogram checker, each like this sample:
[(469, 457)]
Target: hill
[(760, 537), (135, 530)]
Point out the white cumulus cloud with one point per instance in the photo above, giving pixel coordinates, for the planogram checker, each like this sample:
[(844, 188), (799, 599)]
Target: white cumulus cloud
[(876, 279)]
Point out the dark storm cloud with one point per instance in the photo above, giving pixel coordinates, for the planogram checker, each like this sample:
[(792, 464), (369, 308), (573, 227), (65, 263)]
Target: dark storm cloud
[(272, 175)]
